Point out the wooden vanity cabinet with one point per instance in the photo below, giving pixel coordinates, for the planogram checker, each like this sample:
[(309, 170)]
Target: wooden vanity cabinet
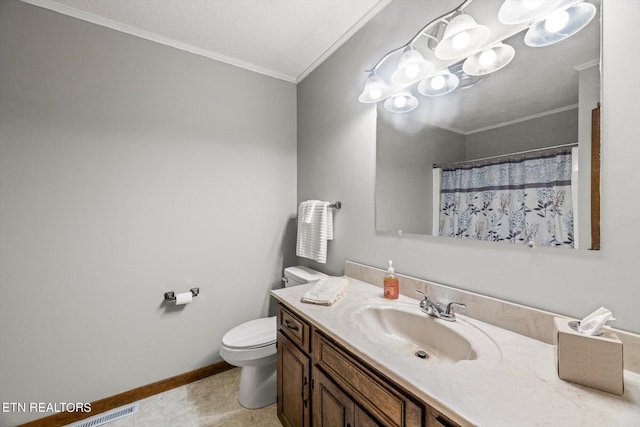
[(322, 384)]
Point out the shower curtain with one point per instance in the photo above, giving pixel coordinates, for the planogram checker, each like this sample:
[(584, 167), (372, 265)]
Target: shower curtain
[(528, 200)]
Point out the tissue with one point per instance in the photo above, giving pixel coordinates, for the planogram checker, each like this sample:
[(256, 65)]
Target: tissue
[(591, 325)]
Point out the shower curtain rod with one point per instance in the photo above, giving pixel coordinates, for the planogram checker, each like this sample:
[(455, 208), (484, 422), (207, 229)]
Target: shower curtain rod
[(506, 156)]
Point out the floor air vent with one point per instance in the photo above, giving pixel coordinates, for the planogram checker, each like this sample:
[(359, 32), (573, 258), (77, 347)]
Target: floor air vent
[(107, 417)]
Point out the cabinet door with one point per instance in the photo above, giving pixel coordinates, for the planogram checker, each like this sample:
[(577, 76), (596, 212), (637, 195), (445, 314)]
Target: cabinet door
[(293, 384), (331, 407)]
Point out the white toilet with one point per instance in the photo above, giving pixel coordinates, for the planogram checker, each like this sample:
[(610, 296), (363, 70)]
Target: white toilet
[(252, 346)]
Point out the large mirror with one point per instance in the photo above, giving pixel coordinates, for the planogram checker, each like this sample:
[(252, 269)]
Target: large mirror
[(543, 98)]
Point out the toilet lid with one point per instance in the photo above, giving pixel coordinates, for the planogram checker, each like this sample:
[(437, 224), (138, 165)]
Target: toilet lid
[(254, 333)]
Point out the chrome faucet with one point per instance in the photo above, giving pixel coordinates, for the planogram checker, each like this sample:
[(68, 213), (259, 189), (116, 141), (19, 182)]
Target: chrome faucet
[(437, 310)]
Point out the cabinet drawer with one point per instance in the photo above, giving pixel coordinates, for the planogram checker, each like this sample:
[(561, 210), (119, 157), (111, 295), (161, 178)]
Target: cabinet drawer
[(296, 329), (368, 390)]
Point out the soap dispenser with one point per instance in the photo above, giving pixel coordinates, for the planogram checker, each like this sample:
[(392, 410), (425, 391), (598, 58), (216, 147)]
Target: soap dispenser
[(391, 284)]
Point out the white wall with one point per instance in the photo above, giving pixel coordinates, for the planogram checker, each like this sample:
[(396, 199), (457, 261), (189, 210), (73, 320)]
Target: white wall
[(128, 169), (406, 151), (336, 160)]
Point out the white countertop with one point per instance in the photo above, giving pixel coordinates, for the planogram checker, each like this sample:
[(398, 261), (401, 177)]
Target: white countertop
[(516, 386)]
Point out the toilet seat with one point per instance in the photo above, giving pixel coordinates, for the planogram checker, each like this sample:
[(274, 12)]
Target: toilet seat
[(252, 334)]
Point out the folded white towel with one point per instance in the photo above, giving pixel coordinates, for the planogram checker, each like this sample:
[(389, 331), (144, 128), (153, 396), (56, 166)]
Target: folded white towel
[(326, 291), (315, 227)]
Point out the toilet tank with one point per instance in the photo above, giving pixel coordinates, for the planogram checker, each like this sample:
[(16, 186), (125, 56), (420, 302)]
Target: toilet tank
[(299, 275)]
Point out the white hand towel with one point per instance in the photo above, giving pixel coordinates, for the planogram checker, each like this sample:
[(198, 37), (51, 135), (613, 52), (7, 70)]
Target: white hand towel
[(315, 227), (326, 291)]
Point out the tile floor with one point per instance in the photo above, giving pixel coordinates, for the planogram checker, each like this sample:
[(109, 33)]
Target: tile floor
[(212, 401)]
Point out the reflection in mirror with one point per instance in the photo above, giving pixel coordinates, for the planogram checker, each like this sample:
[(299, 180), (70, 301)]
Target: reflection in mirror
[(543, 98)]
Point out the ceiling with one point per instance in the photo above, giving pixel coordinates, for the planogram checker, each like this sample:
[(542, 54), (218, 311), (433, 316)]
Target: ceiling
[(285, 39)]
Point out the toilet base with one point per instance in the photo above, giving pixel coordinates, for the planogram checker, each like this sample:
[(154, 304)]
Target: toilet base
[(258, 386)]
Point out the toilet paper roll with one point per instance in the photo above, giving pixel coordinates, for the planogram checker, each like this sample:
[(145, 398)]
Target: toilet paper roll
[(184, 298)]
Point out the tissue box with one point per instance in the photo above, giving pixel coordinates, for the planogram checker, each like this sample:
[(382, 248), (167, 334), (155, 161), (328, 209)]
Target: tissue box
[(594, 361)]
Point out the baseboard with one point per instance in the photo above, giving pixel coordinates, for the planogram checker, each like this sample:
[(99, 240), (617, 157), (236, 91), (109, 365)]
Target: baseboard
[(106, 404)]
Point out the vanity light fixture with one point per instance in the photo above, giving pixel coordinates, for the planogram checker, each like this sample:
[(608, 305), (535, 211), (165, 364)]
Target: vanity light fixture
[(401, 102), (560, 25), (549, 21), (489, 60)]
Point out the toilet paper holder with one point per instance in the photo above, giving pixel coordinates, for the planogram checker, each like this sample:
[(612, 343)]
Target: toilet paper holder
[(171, 296)]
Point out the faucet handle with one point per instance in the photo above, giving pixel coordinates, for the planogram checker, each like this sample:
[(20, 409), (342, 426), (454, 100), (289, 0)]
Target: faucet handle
[(424, 304), (426, 299), (449, 309)]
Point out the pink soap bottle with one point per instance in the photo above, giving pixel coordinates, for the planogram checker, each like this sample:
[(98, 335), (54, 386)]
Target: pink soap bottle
[(391, 283)]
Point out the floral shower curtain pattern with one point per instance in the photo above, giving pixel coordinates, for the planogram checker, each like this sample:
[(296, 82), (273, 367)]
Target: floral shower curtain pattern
[(517, 201)]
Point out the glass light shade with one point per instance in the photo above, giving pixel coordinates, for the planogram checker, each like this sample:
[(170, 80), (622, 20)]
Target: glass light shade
[(560, 25), (461, 38), (375, 89), (489, 60), (519, 11), (412, 67), (401, 102), (440, 84)]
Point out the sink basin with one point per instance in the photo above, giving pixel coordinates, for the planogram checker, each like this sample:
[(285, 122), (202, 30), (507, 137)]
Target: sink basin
[(402, 327)]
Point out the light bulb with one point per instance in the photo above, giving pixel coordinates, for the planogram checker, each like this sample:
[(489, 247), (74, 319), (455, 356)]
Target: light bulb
[(556, 21), (487, 57), (437, 82), (460, 40), (531, 4), (375, 93), (412, 70), (400, 101)]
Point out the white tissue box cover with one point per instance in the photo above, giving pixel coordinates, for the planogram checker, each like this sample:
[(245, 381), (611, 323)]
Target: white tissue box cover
[(593, 361)]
